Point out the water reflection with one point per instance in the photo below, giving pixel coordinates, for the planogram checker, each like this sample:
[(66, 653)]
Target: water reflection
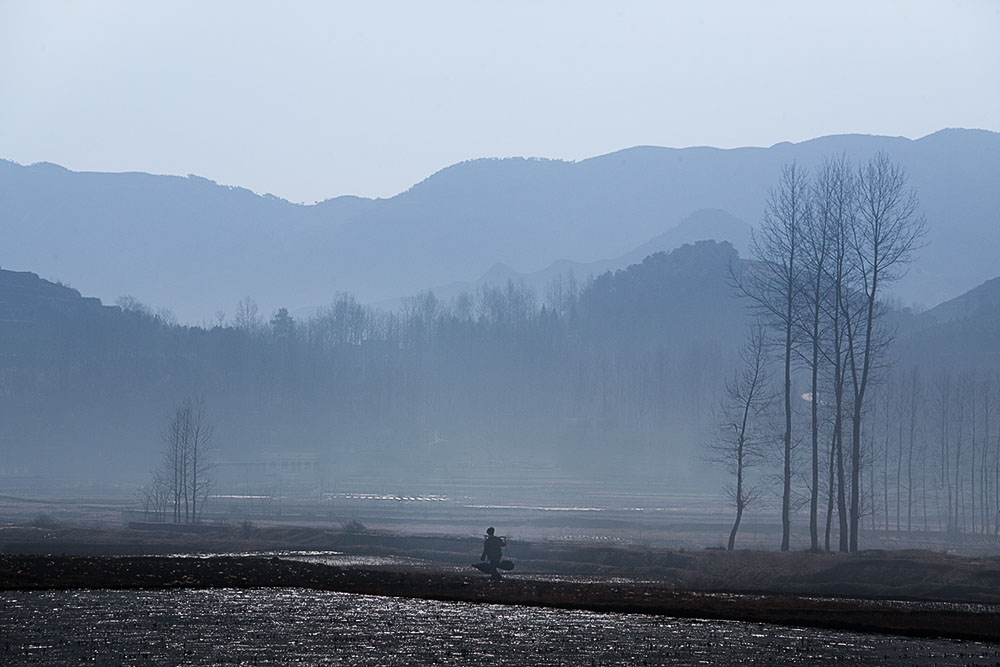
[(290, 626), (321, 557)]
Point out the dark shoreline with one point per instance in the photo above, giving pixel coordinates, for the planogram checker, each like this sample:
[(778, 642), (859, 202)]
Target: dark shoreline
[(33, 573)]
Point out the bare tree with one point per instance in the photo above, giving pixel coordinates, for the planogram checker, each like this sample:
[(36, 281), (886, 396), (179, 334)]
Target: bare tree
[(186, 460), (986, 392), (154, 498), (916, 406), (839, 203), (247, 318), (943, 389), (562, 292), (886, 232), (972, 400), (774, 284), (961, 390), (738, 446), (175, 462), (200, 433), (817, 242)]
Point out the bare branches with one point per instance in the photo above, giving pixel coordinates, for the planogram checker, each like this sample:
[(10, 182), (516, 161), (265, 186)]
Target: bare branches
[(881, 241), (889, 227), (739, 443), (823, 253), (773, 286), (186, 461)]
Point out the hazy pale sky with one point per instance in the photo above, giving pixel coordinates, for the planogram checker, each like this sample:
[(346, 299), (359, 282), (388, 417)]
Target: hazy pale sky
[(309, 100)]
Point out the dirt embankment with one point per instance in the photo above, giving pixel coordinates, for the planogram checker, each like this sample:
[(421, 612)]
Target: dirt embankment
[(855, 592), (901, 575), (124, 572)]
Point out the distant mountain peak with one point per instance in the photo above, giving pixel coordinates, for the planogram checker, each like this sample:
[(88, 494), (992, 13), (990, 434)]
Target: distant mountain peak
[(198, 247)]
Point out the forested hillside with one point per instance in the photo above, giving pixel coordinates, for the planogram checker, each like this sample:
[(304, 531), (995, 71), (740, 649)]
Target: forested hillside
[(498, 375)]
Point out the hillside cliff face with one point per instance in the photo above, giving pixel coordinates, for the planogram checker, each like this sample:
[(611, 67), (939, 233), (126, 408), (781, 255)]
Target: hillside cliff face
[(197, 247)]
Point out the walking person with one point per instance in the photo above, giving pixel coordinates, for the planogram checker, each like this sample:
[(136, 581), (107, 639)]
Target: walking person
[(493, 552)]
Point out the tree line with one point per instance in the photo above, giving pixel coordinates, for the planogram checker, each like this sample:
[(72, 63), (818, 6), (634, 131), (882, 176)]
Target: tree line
[(613, 373), (935, 452)]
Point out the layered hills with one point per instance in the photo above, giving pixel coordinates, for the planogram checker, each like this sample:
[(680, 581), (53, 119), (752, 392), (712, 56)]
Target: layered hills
[(198, 247)]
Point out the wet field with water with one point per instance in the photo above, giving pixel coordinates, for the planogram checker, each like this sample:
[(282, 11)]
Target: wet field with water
[(292, 626)]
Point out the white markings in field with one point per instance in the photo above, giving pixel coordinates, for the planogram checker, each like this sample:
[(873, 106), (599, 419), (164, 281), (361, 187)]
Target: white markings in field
[(534, 507), (433, 498)]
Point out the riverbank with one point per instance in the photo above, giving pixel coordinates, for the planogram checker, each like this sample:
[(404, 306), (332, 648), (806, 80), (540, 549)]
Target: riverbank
[(977, 622), (915, 593), (889, 574)]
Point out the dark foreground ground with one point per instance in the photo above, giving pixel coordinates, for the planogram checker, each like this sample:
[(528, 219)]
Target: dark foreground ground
[(916, 593)]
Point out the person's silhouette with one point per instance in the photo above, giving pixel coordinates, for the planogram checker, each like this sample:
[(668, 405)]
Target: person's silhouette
[(493, 552)]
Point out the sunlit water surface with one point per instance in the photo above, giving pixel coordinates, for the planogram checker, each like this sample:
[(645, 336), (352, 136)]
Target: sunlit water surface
[(291, 626)]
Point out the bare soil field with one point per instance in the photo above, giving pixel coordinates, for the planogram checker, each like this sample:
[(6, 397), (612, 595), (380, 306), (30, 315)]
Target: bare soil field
[(912, 592)]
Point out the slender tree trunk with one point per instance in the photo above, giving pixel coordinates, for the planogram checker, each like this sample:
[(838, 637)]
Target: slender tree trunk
[(185, 485), (996, 484), (987, 399), (855, 515), (831, 490), (739, 517), (972, 454), (194, 485), (899, 457), (786, 496), (923, 484), (871, 479), (886, 458), (839, 371), (909, 467), (944, 410), (814, 496), (959, 522), (984, 463), (816, 261), (861, 386), (844, 545)]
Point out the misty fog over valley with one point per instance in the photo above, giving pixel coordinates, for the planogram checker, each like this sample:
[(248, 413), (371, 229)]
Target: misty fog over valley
[(606, 376), (533, 333)]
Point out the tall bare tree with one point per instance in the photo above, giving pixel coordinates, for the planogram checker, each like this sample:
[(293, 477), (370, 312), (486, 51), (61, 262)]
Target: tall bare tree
[(774, 287), (839, 203), (817, 246), (886, 232)]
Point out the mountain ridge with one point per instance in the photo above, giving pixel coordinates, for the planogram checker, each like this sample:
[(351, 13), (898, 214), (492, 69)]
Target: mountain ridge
[(199, 247)]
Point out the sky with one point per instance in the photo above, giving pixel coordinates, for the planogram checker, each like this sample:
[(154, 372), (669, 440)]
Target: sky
[(311, 100)]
